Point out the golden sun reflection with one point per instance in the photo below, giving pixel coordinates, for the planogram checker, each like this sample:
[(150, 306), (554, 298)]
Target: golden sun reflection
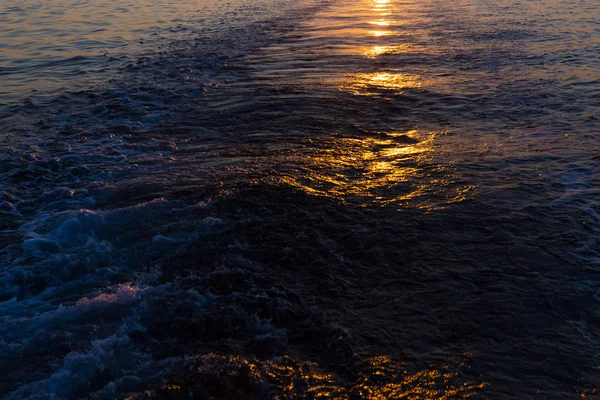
[(361, 167), (381, 33), (377, 51), (374, 83), (381, 168), (377, 168), (379, 4), (287, 377), (379, 23)]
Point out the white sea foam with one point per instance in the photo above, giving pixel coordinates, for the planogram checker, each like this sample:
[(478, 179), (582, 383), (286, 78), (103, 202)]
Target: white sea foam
[(109, 348)]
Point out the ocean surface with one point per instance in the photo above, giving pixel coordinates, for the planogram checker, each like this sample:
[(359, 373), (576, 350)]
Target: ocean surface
[(284, 199)]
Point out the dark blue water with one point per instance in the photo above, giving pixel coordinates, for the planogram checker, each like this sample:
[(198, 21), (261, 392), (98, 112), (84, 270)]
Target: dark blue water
[(340, 199)]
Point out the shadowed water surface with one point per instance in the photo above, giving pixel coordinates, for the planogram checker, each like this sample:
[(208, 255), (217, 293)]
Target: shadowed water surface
[(340, 199)]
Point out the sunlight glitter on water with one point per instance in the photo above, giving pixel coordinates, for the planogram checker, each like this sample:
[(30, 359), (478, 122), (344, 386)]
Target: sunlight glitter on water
[(376, 51), (380, 378), (385, 168), (380, 83)]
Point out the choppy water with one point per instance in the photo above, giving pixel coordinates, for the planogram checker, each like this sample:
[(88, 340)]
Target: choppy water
[(318, 198)]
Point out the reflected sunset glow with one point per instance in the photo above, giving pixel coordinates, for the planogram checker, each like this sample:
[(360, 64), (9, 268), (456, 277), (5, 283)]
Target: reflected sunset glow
[(377, 51), (381, 33), (376, 84), (384, 168), (392, 166), (380, 378), (379, 23)]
